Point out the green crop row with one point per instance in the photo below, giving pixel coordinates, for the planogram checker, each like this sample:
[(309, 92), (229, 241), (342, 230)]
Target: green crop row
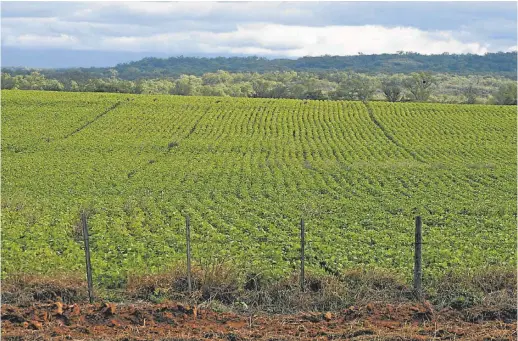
[(246, 171)]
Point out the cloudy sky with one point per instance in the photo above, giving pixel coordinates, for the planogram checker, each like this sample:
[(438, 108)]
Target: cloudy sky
[(64, 34)]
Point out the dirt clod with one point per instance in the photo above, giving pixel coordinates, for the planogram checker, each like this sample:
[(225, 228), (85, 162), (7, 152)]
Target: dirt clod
[(187, 309), (36, 325), (76, 311), (114, 323), (109, 309), (58, 308)]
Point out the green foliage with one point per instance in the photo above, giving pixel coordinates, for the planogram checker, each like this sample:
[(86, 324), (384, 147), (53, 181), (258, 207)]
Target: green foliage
[(290, 84), (109, 85), (316, 95), (392, 88), (356, 87), (420, 85), (246, 170), (161, 86), (501, 64), (33, 81), (470, 92), (506, 94), (187, 86)]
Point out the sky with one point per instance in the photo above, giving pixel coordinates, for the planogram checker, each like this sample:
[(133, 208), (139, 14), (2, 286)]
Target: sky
[(84, 34)]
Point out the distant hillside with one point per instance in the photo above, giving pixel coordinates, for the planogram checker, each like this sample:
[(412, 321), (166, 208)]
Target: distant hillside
[(502, 64)]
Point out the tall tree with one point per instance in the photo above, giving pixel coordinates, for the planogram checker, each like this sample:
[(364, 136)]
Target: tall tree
[(356, 87), (420, 85), (392, 88), (187, 86), (506, 94), (263, 88), (470, 91)]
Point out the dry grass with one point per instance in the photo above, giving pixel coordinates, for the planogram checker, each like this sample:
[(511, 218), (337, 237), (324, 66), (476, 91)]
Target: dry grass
[(488, 291), (227, 287), (207, 284), (23, 289), (495, 279), (492, 287)]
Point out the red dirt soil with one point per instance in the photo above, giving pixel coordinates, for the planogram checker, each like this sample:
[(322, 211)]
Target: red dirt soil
[(171, 321)]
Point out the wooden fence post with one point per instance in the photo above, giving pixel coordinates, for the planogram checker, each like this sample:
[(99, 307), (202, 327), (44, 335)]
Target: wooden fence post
[(418, 271), (188, 238), (87, 257), (302, 256)]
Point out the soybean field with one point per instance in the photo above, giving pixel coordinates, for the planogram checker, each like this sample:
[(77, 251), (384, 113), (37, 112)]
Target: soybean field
[(246, 171)]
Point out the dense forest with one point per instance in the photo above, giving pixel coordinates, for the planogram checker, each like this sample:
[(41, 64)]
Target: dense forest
[(501, 64)]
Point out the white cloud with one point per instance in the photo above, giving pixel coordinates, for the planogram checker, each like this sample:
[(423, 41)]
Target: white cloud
[(36, 40), (296, 41), (289, 29)]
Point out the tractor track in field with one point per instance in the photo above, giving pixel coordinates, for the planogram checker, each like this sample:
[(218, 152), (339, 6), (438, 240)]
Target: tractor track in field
[(389, 136), (172, 144), (84, 126)]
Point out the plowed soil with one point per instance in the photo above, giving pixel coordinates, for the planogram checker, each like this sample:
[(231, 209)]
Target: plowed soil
[(171, 321)]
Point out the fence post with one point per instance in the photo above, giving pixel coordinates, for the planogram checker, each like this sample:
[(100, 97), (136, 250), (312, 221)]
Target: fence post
[(418, 272), (188, 238), (87, 257), (302, 257)]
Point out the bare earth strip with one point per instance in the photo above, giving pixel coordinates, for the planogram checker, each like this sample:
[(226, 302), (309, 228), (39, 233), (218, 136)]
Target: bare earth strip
[(171, 321)]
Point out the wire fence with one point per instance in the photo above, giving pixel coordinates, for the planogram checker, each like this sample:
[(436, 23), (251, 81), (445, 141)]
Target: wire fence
[(417, 245)]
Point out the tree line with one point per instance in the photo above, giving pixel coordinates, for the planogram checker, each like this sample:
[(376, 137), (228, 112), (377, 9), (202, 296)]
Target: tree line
[(500, 63), (340, 85)]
